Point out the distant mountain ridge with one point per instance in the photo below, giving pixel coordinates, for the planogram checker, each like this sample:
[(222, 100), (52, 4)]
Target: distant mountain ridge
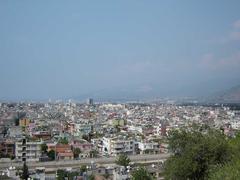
[(229, 96), (154, 92)]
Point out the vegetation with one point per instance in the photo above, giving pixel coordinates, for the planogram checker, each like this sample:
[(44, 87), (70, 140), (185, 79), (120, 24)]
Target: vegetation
[(76, 152), (25, 172), (51, 154), (63, 141), (196, 154), (229, 170), (91, 177), (44, 148), (63, 174), (83, 168), (93, 153), (123, 160), (141, 174)]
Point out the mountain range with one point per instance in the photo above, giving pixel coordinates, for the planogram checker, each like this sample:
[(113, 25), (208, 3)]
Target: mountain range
[(231, 95), (154, 92)]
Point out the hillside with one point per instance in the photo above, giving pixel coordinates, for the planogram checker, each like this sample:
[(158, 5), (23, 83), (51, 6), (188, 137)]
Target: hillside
[(229, 96)]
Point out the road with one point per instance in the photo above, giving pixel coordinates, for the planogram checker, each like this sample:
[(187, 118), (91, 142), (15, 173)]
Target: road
[(78, 163)]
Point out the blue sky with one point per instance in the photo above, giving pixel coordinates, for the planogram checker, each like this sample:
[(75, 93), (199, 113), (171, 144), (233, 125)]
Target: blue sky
[(58, 49)]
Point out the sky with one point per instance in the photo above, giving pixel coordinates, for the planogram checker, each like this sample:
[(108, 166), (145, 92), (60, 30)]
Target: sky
[(64, 49)]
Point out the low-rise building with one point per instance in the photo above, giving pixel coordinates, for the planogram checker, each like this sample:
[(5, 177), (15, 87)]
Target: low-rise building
[(7, 148), (149, 147)]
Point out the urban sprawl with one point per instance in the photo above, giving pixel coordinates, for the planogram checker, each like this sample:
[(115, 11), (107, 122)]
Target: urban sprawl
[(85, 139)]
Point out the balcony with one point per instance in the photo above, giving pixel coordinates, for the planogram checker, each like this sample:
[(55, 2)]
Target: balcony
[(114, 146)]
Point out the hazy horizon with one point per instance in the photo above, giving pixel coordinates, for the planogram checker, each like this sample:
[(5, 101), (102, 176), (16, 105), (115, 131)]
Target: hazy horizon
[(58, 49)]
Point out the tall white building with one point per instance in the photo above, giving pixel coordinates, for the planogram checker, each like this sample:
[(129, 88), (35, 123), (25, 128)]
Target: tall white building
[(115, 146), (28, 150)]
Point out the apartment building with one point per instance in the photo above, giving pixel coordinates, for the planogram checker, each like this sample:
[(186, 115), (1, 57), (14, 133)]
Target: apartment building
[(28, 150), (149, 147), (117, 145)]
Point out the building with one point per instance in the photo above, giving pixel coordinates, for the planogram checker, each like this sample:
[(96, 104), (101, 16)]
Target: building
[(82, 129), (121, 173), (28, 150), (115, 146), (63, 151), (45, 135), (149, 147), (7, 148), (90, 101), (24, 122)]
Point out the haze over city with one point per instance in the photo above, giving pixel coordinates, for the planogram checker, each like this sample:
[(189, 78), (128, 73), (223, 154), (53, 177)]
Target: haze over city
[(120, 90), (54, 49)]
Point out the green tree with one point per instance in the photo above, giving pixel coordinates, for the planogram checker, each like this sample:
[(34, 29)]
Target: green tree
[(93, 153), (86, 137), (51, 154), (72, 175), (91, 177), (229, 171), (25, 172), (61, 174), (195, 153), (141, 174), (76, 152), (123, 160), (44, 148), (83, 168), (63, 141), (106, 175)]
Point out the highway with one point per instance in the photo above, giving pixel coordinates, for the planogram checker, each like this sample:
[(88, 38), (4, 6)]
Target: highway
[(77, 163)]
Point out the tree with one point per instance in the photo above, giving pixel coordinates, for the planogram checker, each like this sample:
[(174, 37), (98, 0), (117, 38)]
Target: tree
[(83, 168), (91, 177), (123, 160), (76, 152), (72, 175), (86, 137), (63, 141), (141, 174), (61, 174), (195, 153), (25, 173), (51, 154), (228, 171), (93, 153), (44, 148), (106, 175)]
